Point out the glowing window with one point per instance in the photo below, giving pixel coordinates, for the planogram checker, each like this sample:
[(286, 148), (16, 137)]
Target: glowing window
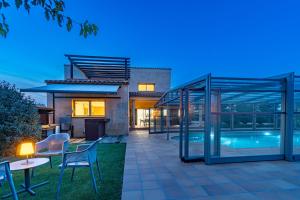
[(146, 87), (88, 108), (81, 108), (97, 108)]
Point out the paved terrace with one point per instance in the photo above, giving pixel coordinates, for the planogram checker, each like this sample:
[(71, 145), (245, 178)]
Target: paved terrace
[(153, 171)]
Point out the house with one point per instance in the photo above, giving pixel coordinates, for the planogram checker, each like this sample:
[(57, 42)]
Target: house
[(105, 89)]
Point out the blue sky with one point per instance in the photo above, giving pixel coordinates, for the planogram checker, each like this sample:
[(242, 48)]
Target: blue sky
[(248, 38)]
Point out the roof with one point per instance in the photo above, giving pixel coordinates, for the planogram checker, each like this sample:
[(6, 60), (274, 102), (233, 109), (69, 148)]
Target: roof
[(75, 88), (88, 81), (145, 94)]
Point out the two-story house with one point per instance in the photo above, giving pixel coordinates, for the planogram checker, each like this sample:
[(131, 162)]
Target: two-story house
[(104, 89)]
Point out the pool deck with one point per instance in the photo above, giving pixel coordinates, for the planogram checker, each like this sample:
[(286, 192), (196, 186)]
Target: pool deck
[(153, 171)]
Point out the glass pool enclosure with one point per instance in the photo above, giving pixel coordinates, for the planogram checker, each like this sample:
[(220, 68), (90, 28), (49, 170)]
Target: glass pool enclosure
[(223, 120)]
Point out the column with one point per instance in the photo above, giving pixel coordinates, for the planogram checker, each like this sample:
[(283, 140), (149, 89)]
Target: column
[(133, 114)]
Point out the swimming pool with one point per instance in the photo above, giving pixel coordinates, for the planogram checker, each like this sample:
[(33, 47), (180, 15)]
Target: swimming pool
[(246, 139)]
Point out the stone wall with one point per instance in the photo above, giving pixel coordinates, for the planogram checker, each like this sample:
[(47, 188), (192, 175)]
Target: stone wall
[(116, 110), (77, 73), (161, 77)]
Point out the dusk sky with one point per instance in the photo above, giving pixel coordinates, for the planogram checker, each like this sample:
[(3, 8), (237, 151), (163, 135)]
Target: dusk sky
[(247, 38)]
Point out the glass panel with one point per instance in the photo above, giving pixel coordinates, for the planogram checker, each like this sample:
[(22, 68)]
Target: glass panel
[(142, 118), (251, 127), (226, 121), (265, 121), (243, 108), (98, 108), (265, 107), (196, 124), (225, 108), (296, 133), (242, 121), (81, 108)]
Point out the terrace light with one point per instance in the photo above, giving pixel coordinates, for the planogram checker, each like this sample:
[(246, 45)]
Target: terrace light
[(26, 149)]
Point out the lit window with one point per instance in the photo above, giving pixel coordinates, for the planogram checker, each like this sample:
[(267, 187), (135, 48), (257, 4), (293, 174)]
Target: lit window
[(81, 108), (98, 108), (146, 87), (88, 108)]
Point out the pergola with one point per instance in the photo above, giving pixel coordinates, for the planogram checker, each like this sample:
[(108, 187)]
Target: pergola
[(95, 67)]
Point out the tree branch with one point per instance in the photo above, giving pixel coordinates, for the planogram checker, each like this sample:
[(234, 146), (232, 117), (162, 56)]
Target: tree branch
[(53, 9)]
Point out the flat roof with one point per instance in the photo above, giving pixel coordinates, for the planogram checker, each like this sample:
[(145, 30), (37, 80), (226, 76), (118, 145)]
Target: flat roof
[(75, 88), (88, 81)]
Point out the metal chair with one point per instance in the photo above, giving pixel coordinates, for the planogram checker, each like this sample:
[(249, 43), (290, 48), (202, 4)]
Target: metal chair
[(5, 175), (51, 146), (84, 156), (66, 125)]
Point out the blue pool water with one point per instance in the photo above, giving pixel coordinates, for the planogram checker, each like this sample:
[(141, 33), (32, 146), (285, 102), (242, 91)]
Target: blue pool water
[(246, 139)]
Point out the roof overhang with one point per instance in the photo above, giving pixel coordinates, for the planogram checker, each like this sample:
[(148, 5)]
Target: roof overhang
[(75, 88)]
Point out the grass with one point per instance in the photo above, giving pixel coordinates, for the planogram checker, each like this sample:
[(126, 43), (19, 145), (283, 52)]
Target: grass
[(111, 157)]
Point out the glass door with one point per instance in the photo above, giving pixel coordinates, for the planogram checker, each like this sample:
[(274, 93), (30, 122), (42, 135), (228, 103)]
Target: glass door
[(142, 118)]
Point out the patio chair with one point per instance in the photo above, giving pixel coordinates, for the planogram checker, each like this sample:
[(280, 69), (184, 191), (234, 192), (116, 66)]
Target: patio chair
[(53, 145), (84, 156), (5, 175), (66, 125)]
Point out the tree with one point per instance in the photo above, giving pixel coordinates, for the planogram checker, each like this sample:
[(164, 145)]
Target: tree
[(19, 119), (53, 9)]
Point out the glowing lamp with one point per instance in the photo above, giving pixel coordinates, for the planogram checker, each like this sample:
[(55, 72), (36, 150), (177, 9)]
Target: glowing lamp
[(26, 149)]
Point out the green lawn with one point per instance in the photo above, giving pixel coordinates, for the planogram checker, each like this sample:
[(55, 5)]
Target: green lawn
[(111, 157)]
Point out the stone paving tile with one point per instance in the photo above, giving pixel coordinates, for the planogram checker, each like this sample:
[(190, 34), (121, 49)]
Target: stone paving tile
[(244, 196), (131, 178), (148, 177), (130, 195), (162, 176), (284, 184), (203, 181), (258, 186), (220, 179), (222, 189), (154, 194), (195, 191), (175, 193), (279, 195), (129, 186), (150, 185)]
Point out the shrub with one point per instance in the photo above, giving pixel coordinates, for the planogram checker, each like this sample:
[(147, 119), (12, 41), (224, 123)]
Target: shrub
[(19, 119)]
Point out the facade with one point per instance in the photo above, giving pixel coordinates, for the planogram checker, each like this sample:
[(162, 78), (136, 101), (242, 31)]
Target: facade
[(146, 86), (105, 88)]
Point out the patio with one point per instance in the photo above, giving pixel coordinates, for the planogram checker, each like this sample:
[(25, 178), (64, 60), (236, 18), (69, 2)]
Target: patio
[(154, 171)]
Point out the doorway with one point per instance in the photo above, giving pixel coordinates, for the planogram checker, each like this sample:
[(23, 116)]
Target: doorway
[(142, 118)]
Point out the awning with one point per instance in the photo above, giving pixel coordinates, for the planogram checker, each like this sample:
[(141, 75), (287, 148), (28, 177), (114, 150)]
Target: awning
[(75, 88)]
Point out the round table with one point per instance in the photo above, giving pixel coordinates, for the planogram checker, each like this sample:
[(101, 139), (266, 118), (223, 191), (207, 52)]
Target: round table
[(23, 165)]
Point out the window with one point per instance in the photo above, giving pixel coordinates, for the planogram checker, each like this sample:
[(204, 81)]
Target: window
[(146, 87), (81, 108), (98, 108), (88, 108)]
